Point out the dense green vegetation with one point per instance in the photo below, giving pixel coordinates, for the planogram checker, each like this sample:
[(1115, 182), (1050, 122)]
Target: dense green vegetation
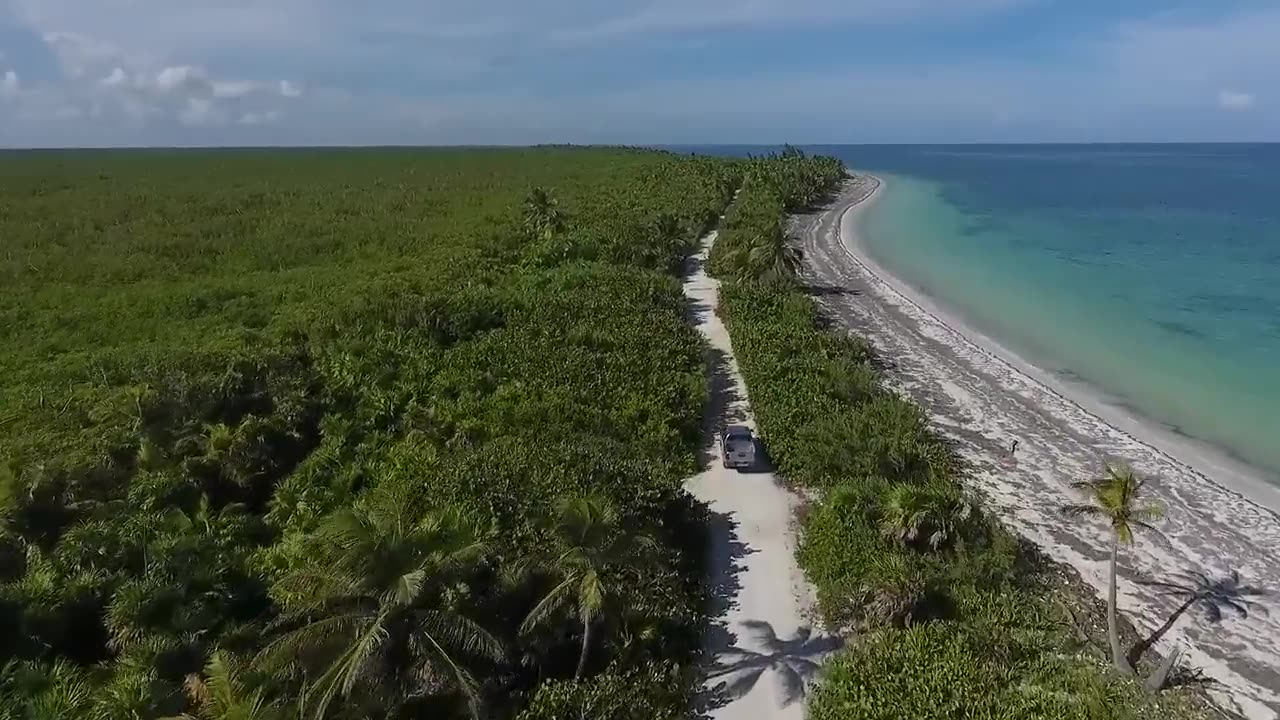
[(949, 615), (349, 434)]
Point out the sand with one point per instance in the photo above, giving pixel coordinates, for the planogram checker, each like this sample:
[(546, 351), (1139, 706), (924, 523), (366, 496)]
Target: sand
[(983, 396), (762, 654)]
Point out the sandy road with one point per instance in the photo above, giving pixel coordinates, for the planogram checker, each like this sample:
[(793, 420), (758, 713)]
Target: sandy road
[(762, 653)]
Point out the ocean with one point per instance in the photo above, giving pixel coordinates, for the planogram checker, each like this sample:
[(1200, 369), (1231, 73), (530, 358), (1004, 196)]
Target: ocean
[(1149, 272)]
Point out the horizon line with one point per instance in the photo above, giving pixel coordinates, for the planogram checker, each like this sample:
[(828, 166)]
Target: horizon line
[(630, 146)]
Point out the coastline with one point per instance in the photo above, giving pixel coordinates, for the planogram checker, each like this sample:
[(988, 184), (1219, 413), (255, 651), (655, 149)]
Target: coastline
[(1216, 465), (983, 395)]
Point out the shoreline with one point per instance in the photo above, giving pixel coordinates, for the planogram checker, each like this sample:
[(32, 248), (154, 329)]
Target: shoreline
[(1212, 463), (982, 395)]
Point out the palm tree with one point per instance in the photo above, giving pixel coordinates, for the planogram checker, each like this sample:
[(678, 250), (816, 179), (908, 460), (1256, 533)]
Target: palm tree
[(589, 539), (912, 513), (222, 694), (370, 605), (773, 256), (1117, 499), (1210, 595), (542, 216), (36, 692)]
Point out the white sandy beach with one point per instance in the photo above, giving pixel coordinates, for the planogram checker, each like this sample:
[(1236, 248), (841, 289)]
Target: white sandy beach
[(762, 653), (984, 396)]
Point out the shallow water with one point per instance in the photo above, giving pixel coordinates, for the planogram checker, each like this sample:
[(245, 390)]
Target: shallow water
[(1149, 272)]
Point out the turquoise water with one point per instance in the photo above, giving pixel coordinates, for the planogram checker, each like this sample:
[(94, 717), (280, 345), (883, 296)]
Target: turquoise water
[(1149, 272)]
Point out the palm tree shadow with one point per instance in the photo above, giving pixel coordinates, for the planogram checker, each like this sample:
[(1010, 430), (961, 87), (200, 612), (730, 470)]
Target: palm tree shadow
[(1211, 596), (793, 662), (1183, 676)]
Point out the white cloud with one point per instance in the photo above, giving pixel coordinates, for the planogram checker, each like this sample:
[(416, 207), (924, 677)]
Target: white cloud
[(107, 92), (117, 78), (200, 112), (1235, 100), (9, 83), (234, 88), (185, 79), (79, 54), (254, 118)]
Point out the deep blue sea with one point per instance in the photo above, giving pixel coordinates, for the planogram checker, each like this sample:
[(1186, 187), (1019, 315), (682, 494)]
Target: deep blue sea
[(1151, 272)]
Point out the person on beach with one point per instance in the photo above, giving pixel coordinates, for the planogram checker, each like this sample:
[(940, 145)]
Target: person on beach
[(1013, 447)]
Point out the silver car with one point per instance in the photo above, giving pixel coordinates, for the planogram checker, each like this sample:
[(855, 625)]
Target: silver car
[(738, 447)]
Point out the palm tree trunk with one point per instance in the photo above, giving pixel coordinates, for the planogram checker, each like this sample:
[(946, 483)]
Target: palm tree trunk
[(1142, 647), (1160, 678), (586, 645), (1113, 631)]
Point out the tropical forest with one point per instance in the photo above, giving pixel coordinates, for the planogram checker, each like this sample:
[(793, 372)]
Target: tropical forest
[(401, 433)]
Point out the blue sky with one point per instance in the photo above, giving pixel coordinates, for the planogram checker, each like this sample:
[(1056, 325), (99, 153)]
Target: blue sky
[(212, 72)]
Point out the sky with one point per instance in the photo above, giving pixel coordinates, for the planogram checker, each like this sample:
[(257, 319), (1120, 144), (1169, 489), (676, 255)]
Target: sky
[(318, 72)]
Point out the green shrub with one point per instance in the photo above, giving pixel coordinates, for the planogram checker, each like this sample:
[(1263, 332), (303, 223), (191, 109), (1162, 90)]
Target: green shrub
[(942, 670), (649, 692)]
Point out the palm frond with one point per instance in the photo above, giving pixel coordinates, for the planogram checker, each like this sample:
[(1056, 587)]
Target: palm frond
[(1146, 526), (548, 605), (345, 672), (1123, 533), (222, 684), (1074, 510), (303, 641), (461, 633), (465, 682), (357, 658), (590, 596), (407, 587)]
